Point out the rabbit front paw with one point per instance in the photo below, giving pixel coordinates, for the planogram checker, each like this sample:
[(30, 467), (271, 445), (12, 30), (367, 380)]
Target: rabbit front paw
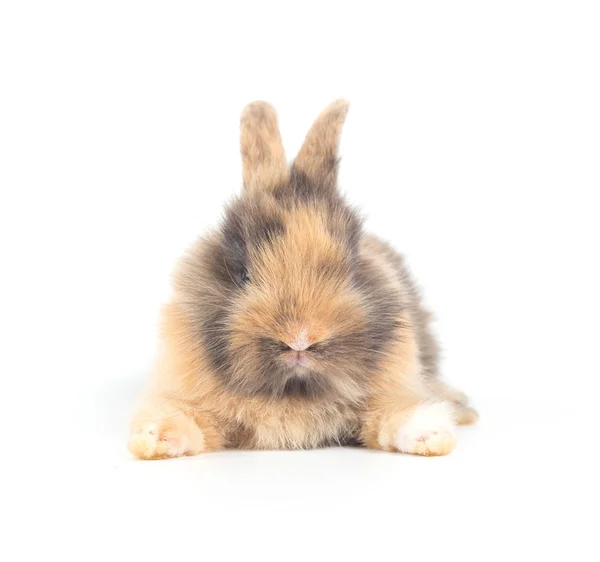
[(166, 439), (429, 431)]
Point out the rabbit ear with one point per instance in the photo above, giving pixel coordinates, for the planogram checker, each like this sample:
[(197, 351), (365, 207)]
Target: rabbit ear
[(318, 157), (263, 156)]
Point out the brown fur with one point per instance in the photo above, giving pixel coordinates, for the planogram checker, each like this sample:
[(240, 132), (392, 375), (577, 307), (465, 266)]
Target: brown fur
[(263, 156), (318, 156), (290, 259)]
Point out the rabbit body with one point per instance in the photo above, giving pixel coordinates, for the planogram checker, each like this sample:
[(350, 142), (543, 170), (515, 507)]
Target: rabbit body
[(290, 327)]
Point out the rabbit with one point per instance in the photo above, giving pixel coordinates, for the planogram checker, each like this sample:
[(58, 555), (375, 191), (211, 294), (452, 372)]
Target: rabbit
[(290, 327)]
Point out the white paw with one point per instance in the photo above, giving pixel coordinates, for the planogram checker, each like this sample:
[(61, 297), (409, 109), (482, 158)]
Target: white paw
[(150, 442), (430, 430)]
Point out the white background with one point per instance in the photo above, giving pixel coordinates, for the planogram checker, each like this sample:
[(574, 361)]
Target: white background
[(472, 144)]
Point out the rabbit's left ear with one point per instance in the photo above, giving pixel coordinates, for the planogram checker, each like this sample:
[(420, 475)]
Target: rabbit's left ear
[(318, 157), (263, 156)]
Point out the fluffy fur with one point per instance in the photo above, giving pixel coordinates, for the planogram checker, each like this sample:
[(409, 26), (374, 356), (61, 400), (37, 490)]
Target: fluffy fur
[(290, 327)]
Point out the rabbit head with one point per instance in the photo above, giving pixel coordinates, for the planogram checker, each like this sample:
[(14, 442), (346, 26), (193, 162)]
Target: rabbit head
[(283, 301)]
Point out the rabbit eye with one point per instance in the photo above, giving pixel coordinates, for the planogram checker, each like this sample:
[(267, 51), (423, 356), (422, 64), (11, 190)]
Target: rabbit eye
[(244, 277)]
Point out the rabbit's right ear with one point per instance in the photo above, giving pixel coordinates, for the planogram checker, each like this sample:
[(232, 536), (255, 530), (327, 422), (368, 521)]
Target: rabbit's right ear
[(263, 157)]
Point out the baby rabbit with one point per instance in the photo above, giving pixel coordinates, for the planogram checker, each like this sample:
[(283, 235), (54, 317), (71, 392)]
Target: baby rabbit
[(290, 327)]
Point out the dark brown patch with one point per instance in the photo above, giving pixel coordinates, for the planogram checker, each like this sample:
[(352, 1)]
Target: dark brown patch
[(247, 226), (344, 222)]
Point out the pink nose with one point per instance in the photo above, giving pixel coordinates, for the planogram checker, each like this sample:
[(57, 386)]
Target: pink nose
[(299, 359)]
